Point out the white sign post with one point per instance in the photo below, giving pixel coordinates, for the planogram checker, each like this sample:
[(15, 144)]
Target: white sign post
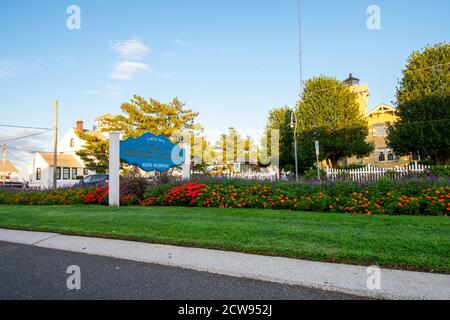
[(187, 161), (114, 167)]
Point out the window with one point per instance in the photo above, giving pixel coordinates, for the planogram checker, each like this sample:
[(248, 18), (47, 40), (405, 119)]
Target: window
[(85, 171), (379, 130), (66, 173), (74, 173), (58, 173), (385, 154), (391, 156), (72, 142), (38, 174)]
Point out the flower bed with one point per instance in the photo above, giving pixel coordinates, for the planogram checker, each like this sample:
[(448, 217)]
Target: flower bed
[(410, 197), (417, 197), (59, 197), (100, 196)]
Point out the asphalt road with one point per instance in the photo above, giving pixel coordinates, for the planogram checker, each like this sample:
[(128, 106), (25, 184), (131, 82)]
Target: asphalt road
[(28, 272)]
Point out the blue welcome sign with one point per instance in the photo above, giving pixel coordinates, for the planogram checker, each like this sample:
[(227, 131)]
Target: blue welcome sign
[(151, 153)]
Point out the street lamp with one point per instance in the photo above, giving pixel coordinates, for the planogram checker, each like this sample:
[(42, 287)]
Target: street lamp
[(293, 125)]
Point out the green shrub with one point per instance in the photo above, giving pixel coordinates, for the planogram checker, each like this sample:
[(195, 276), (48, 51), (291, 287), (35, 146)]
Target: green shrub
[(440, 171)]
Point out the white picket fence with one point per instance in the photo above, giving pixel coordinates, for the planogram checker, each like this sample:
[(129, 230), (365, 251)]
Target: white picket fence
[(370, 173)]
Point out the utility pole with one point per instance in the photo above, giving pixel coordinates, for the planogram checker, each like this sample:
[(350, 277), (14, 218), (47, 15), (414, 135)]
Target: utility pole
[(294, 124), (300, 45), (55, 146), (4, 164)]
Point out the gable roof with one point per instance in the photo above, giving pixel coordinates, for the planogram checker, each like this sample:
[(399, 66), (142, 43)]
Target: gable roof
[(105, 116), (63, 160), (9, 167), (381, 108)]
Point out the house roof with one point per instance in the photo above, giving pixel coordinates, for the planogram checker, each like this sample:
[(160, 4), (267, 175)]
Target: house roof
[(105, 116), (381, 108), (63, 160), (351, 80), (9, 167)]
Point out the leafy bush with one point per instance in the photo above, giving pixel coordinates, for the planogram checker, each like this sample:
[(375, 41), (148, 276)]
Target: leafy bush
[(135, 186), (419, 196), (101, 196), (440, 171), (414, 197), (59, 197), (311, 174)]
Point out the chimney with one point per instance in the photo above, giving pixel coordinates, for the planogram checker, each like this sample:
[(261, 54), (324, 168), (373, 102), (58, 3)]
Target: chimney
[(79, 127)]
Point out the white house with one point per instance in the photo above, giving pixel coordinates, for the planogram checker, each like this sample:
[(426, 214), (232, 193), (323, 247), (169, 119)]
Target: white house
[(70, 167), (68, 172)]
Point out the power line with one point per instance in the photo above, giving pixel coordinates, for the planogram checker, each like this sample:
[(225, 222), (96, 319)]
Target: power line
[(24, 137), (25, 150), (23, 127)]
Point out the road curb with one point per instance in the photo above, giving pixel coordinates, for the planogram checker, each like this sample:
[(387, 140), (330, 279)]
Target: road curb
[(351, 279)]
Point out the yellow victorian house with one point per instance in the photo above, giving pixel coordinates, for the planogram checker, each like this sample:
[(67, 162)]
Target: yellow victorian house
[(378, 119)]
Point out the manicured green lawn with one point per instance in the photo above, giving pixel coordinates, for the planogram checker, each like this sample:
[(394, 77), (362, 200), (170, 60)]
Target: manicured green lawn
[(406, 242)]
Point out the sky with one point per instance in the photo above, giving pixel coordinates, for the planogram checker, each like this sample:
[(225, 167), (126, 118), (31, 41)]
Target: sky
[(232, 61)]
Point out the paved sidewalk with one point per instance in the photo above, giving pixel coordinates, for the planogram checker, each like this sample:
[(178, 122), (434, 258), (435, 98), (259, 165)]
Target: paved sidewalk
[(395, 284)]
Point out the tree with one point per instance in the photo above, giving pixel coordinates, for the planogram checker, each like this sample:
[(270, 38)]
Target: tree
[(95, 152), (329, 112), (202, 153), (279, 119), (423, 106), (142, 116), (229, 147), (249, 152)]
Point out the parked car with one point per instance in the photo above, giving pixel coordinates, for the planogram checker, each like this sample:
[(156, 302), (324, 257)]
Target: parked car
[(13, 185), (95, 180)]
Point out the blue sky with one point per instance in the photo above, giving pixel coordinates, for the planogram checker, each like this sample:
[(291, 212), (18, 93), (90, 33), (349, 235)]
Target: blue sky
[(231, 60)]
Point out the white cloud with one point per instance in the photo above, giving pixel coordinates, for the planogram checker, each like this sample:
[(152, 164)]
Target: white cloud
[(231, 49), (21, 151), (170, 53), (131, 53), (130, 49), (5, 75), (126, 70), (68, 59), (182, 43)]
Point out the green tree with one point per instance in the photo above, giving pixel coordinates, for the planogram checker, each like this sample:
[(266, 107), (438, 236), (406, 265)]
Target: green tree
[(95, 152), (140, 116), (229, 147), (279, 119), (329, 112), (423, 106), (202, 153)]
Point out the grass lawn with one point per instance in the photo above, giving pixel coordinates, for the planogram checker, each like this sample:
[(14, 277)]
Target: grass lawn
[(403, 242)]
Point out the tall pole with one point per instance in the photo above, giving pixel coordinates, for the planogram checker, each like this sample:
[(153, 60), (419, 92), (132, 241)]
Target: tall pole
[(300, 46), (294, 124), (300, 56), (4, 164), (55, 146)]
